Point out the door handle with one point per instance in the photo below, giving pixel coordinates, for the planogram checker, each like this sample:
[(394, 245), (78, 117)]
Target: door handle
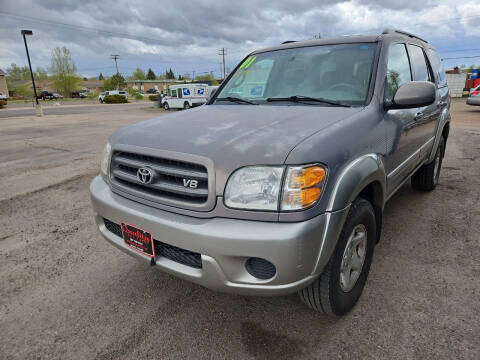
[(418, 116)]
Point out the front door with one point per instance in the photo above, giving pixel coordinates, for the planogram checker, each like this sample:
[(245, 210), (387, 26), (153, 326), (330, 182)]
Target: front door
[(402, 136)]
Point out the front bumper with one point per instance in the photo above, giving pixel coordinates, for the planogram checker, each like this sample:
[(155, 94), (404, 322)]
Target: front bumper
[(473, 100), (299, 250)]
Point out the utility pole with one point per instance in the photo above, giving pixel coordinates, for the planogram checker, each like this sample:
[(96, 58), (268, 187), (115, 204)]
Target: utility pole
[(115, 58), (222, 52), (193, 75), (29, 32)]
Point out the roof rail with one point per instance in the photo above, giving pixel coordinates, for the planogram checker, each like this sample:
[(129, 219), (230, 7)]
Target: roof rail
[(395, 31), (288, 42)]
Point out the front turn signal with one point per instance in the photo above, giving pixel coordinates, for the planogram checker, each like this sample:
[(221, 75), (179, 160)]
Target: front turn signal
[(303, 186)]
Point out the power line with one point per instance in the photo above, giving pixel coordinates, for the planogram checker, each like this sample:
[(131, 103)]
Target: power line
[(462, 57)]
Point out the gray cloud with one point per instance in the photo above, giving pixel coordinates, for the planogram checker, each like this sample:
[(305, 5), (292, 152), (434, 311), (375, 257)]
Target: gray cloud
[(186, 35)]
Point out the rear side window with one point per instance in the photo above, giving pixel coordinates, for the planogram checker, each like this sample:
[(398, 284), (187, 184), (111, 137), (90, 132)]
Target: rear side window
[(437, 66), (419, 65), (398, 70)]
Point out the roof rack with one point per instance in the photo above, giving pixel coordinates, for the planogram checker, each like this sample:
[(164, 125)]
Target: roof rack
[(394, 31), (288, 42)]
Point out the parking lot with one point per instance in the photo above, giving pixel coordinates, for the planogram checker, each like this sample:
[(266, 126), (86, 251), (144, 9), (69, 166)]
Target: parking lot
[(66, 293)]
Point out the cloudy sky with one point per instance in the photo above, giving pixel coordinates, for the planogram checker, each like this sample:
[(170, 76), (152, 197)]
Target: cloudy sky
[(186, 35)]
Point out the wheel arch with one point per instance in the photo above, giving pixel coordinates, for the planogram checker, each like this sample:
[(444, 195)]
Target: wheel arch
[(366, 176)]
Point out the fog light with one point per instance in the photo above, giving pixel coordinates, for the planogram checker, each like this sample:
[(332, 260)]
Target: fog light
[(260, 268)]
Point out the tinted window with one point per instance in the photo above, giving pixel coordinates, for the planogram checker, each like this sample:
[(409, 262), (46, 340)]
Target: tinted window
[(437, 66), (336, 72), (398, 70), (419, 66)]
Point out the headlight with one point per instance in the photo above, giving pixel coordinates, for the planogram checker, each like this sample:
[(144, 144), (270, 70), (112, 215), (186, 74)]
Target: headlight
[(107, 152), (254, 187), (303, 186), (258, 187)]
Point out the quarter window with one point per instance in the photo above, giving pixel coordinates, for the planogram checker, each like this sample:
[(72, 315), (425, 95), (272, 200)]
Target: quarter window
[(419, 65), (398, 70), (437, 66)]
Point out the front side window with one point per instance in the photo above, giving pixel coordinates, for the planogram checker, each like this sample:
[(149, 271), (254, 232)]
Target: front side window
[(419, 66), (398, 70), (334, 72)]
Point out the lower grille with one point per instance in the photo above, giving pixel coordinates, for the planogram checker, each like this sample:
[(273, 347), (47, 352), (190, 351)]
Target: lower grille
[(179, 255)]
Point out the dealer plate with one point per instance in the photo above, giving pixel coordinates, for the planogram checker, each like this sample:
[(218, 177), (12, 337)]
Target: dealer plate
[(138, 239)]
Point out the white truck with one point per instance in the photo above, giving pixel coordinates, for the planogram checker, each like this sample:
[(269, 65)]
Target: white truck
[(101, 97), (185, 96)]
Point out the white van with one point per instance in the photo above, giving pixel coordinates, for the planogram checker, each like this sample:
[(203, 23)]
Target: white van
[(101, 97), (185, 96)]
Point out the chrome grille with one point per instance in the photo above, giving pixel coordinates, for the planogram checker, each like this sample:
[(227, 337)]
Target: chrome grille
[(170, 182)]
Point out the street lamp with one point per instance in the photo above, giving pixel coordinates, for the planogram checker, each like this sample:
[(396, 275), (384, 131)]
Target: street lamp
[(29, 32)]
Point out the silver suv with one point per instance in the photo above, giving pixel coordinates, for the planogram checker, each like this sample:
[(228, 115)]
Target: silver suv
[(278, 183)]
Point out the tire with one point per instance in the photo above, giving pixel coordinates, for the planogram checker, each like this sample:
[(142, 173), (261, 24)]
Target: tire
[(330, 293), (166, 107), (426, 178), (101, 101), (186, 105)]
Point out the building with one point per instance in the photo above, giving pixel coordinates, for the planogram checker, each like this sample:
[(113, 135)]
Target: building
[(92, 85), (3, 83), (159, 85)]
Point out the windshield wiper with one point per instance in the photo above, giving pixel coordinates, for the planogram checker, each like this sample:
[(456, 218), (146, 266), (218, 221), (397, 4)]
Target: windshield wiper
[(236, 100), (301, 98)]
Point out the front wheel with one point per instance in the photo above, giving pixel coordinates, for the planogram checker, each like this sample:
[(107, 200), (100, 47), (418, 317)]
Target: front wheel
[(426, 178), (166, 107), (339, 287)]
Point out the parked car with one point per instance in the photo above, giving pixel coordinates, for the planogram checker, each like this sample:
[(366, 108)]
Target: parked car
[(46, 95), (474, 98), (185, 96), (101, 97), (3, 97), (57, 96), (279, 182), (152, 91), (79, 94)]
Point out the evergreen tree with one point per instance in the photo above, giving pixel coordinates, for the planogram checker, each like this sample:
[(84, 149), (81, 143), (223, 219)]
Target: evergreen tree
[(100, 77), (151, 75)]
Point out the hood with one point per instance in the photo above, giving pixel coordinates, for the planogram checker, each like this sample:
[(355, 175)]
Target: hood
[(233, 135)]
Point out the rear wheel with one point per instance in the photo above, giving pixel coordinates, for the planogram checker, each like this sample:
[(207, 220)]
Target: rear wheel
[(166, 106), (186, 105), (426, 178), (339, 287)]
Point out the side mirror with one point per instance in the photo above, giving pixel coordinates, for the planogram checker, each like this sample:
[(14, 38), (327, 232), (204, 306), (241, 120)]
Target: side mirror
[(414, 94)]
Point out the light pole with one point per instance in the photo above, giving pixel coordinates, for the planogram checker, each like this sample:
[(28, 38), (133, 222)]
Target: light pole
[(29, 32)]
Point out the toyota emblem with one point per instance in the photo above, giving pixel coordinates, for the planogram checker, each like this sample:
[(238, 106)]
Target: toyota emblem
[(145, 175)]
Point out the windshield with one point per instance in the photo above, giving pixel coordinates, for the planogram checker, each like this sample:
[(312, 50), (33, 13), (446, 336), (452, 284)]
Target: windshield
[(331, 72)]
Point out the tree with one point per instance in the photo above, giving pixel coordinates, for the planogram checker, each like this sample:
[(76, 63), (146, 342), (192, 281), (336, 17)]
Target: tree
[(24, 90), (169, 74), (180, 77), (15, 72), (138, 75), (100, 77), (64, 71), (41, 74), (207, 78), (151, 75), (116, 82)]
